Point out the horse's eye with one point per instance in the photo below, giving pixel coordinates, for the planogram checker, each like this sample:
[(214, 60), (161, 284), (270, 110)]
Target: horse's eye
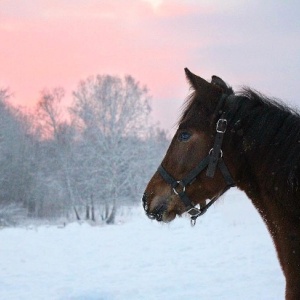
[(184, 136)]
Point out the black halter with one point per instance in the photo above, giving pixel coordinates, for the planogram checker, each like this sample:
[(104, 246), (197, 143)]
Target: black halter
[(213, 160)]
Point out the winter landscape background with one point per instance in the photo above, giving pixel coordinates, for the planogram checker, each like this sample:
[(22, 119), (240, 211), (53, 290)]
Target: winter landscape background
[(227, 255), (72, 226), (87, 161), (77, 145)]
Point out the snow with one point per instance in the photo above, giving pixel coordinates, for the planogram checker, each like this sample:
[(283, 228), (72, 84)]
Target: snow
[(227, 255)]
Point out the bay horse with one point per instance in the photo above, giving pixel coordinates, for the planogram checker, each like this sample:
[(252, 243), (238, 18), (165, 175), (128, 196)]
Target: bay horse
[(227, 139)]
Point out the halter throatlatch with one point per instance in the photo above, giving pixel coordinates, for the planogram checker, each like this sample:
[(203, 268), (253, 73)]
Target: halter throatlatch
[(212, 161)]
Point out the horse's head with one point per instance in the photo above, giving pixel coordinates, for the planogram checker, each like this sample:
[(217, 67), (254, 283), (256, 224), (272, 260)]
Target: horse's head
[(193, 169)]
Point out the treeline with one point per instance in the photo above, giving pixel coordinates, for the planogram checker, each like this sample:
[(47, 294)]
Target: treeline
[(86, 161)]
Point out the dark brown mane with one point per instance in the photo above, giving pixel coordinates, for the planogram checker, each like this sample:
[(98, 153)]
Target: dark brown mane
[(269, 135)]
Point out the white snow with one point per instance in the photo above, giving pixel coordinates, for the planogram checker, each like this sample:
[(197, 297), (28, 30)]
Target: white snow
[(227, 255)]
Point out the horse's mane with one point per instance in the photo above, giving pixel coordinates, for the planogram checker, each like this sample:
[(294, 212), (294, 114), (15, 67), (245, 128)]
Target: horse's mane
[(269, 134)]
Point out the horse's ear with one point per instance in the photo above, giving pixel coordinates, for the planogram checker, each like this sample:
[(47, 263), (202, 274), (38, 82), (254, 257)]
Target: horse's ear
[(215, 80), (196, 81)]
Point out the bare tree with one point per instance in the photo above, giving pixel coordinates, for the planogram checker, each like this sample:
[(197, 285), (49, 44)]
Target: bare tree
[(112, 115), (49, 112), (15, 159), (93, 164), (52, 127)]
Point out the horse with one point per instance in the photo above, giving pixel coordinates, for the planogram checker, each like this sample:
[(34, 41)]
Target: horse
[(243, 139)]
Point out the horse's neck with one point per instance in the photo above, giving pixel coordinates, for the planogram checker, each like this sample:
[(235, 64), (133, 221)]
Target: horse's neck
[(284, 228)]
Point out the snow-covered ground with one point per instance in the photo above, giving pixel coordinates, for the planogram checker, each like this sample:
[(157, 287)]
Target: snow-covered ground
[(227, 255)]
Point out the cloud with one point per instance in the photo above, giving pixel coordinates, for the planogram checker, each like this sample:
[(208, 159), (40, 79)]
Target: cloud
[(87, 37)]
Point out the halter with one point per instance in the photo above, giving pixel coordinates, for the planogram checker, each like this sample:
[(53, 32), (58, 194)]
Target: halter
[(213, 160)]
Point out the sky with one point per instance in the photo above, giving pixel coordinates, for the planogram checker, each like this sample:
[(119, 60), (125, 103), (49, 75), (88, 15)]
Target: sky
[(51, 43)]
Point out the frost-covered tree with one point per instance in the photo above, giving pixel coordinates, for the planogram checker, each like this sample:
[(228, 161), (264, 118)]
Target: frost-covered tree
[(55, 153), (112, 115), (49, 112), (15, 176), (95, 163)]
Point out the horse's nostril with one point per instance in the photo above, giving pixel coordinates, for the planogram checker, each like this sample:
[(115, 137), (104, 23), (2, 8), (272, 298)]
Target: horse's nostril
[(144, 200)]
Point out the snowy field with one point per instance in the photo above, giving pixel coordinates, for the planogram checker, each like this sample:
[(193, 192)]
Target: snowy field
[(227, 255)]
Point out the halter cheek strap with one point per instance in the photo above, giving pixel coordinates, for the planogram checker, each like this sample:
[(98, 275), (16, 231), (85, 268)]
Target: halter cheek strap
[(212, 161)]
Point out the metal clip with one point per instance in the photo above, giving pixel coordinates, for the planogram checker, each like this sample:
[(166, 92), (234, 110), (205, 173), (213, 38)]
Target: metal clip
[(221, 126), (193, 222), (194, 212)]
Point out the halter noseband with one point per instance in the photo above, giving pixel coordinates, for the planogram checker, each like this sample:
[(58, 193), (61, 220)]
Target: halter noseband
[(213, 160)]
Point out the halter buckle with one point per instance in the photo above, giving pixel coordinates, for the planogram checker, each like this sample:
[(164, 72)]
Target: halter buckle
[(221, 125)]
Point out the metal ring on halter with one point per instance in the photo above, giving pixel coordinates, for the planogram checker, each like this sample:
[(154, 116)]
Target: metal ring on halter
[(212, 149), (181, 184), (221, 125), (194, 212)]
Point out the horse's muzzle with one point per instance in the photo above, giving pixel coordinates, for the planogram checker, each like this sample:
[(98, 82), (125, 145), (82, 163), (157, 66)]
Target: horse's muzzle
[(157, 213)]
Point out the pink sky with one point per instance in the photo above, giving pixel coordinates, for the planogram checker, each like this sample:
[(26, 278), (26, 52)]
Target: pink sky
[(49, 43)]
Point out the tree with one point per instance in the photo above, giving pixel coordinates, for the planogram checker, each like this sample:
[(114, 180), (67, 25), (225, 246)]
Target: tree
[(49, 112), (112, 115), (97, 162), (56, 135), (15, 176)]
